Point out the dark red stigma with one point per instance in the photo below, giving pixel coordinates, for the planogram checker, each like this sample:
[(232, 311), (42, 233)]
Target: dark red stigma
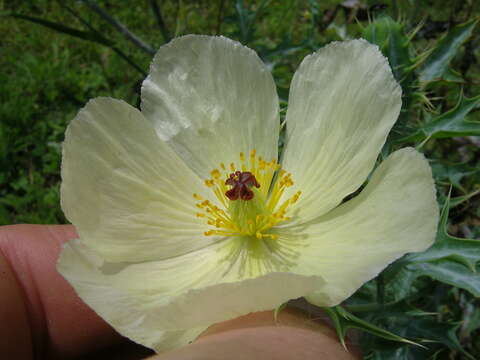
[(241, 183)]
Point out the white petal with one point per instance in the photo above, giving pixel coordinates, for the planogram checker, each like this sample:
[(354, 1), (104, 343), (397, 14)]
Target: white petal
[(343, 102), (211, 98), (122, 310), (395, 214), (166, 304), (128, 194)]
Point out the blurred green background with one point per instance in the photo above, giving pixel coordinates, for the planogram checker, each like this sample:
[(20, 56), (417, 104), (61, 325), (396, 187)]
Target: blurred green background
[(56, 55)]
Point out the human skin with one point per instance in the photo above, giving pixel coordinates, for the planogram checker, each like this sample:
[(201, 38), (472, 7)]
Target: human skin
[(41, 317)]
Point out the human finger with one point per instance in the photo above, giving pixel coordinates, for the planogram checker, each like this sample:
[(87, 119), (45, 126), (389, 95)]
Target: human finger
[(293, 335), (42, 316)]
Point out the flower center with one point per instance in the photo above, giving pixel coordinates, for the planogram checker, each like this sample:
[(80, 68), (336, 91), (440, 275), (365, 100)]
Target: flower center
[(248, 198), (241, 182)]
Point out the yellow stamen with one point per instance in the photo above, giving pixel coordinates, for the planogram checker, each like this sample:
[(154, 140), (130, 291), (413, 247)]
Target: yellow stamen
[(215, 174), (254, 217)]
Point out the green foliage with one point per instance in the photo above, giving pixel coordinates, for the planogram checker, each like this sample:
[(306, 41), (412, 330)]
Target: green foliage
[(447, 247), (437, 63), (450, 260), (451, 123), (422, 328), (389, 35), (58, 54), (84, 35), (343, 321)]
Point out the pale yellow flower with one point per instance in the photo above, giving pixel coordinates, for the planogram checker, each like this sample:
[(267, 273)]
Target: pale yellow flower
[(168, 245)]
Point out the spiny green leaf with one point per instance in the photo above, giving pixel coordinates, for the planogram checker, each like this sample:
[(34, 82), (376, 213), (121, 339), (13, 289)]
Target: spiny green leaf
[(458, 200), (340, 327), (398, 309), (432, 333), (452, 174), (449, 272), (343, 320), (450, 124), (401, 282), (464, 251), (450, 260), (378, 32), (390, 37), (429, 329), (436, 64), (453, 76)]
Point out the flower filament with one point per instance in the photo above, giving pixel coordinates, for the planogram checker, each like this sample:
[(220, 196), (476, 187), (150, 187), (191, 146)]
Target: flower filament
[(249, 199)]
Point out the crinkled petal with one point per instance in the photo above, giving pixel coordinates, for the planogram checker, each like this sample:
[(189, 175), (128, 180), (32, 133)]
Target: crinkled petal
[(126, 191), (396, 213), (211, 98), (166, 304), (123, 311), (343, 102)]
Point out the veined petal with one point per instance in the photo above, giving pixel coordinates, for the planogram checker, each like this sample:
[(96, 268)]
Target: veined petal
[(395, 214), (211, 98), (166, 304), (126, 191), (343, 102), (80, 266)]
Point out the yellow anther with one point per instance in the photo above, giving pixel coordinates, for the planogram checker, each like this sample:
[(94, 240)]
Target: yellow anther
[(247, 218), (215, 173), (271, 236), (295, 197)]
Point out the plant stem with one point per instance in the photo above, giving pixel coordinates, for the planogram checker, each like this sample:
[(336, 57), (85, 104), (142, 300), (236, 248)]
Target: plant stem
[(220, 17), (114, 48), (120, 27), (159, 17)]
